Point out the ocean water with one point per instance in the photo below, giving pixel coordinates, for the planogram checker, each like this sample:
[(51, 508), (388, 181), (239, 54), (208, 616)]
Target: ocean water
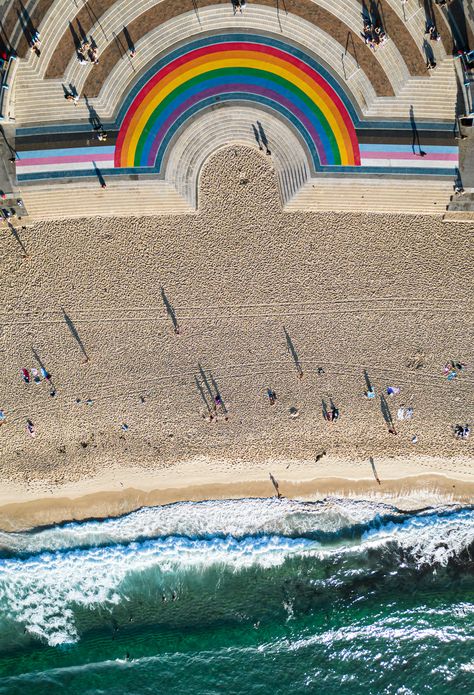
[(248, 596)]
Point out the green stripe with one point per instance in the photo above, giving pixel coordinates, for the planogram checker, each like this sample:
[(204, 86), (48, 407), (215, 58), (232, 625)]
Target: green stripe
[(239, 73)]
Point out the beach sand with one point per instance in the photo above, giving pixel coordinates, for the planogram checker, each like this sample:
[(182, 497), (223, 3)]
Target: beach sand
[(392, 295)]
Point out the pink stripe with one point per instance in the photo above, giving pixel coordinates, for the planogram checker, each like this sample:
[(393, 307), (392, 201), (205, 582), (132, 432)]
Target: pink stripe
[(431, 156), (68, 159)]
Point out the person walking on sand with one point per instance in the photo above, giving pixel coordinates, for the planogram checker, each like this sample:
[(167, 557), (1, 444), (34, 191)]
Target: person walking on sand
[(30, 428), (272, 396)]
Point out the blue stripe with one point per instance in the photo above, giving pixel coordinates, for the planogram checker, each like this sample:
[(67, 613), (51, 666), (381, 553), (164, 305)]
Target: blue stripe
[(232, 96), (389, 171), (262, 83)]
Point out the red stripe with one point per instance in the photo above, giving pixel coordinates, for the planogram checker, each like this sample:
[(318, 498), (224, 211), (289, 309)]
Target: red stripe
[(238, 46)]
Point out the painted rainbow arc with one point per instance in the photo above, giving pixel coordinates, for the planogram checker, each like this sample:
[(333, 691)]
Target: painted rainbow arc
[(234, 69)]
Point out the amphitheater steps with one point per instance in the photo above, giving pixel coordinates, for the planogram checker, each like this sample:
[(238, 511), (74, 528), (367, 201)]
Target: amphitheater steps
[(215, 19), (119, 199), (436, 95), (413, 16), (374, 196), (38, 101), (388, 55), (52, 27), (47, 96)]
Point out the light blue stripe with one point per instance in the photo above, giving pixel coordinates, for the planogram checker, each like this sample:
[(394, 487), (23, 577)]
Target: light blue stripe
[(435, 149), (65, 152)]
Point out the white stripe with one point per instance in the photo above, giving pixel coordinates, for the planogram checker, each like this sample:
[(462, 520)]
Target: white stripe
[(418, 163), (72, 166)]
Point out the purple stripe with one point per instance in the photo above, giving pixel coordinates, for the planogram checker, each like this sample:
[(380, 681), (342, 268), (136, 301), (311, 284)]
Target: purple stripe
[(215, 91)]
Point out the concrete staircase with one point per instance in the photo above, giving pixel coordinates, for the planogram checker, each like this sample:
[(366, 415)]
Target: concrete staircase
[(38, 100), (124, 198), (372, 195), (461, 208), (226, 126), (434, 95)]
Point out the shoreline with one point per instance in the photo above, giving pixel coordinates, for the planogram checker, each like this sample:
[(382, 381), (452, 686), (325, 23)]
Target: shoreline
[(113, 495)]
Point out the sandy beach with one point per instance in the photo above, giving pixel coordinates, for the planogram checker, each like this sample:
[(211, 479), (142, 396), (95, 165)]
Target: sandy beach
[(389, 295)]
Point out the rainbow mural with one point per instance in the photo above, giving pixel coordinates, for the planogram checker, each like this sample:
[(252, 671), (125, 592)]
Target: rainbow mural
[(237, 68)]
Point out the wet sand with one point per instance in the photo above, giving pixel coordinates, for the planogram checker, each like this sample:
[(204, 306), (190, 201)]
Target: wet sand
[(388, 294), (200, 480)]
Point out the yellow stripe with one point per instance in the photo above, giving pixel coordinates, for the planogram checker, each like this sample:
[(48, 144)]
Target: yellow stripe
[(171, 82)]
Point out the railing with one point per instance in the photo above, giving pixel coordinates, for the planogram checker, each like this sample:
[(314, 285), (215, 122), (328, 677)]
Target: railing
[(465, 73), (7, 77)]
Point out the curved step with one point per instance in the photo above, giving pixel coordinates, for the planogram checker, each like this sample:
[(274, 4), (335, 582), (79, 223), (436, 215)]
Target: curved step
[(230, 125)]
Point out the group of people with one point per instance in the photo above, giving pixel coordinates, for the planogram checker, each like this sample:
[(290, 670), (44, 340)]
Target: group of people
[(213, 411), (462, 431), (86, 52), (74, 98), (374, 35), (452, 369), (239, 5), (36, 376)]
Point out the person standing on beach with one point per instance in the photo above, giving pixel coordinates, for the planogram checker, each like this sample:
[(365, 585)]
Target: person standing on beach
[(275, 485), (272, 396)]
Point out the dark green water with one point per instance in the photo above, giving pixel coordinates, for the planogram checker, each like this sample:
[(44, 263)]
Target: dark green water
[(252, 596)]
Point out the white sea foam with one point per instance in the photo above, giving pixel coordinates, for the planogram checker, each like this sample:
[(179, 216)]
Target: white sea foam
[(239, 518), (430, 539), (40, 591), (43, 589)]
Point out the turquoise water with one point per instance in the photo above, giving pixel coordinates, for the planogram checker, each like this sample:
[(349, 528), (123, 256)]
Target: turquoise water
[(248, 596)]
